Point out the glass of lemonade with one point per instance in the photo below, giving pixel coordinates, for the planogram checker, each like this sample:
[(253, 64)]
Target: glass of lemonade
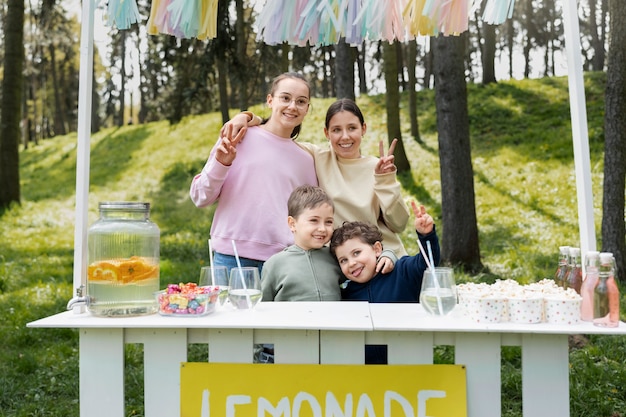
[(438, 294), (244, 290)]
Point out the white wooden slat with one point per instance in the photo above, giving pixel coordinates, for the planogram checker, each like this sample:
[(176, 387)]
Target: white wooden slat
[(405, 348), (480, 353), (338, 347), (231, 345), (545, 375), (101, 376), (295, 346), (164, 350)]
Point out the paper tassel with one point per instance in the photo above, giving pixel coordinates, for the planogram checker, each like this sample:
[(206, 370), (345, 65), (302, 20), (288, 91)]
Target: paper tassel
[(416, 22), (184, 18), (122, 13), (497, 11), (277, 20), (451, 17), (208, 13)]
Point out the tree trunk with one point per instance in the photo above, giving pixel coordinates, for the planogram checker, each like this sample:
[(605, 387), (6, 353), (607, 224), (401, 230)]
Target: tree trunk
[(344, 70), (59, 110), (411, 58), (392, 101), (510, 36), (489, 53), (597, 40), (242, 55), (222, 78), (120, 115), (460, 231), (361, 66), (528, 44), (95, 103), (428, 65), (613, 225), (12, 83)]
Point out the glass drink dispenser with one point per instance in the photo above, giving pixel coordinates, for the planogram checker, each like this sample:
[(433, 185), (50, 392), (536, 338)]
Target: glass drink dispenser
[(123, 265)]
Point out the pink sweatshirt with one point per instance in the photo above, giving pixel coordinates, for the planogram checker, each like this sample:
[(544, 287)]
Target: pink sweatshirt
[(252, 193)]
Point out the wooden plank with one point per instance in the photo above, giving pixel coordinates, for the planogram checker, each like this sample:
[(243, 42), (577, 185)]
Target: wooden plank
[(545, 369), (480, 353), (405, 348), (101, 376), (293, 346), (338, 347), (231, 345), (164, 350)]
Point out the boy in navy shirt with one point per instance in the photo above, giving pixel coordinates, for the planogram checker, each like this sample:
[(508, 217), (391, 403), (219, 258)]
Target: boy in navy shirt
[(357, 246)]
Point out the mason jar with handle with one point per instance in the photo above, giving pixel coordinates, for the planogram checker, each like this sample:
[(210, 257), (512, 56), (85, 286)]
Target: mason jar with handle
[(123, 269)]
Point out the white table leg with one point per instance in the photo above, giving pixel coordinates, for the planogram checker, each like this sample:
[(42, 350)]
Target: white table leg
[(101, 372), (164, 350), (545, 375), (480, 353)]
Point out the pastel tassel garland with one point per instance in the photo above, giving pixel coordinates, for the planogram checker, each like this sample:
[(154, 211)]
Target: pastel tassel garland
[(122, 13), (318, 22)]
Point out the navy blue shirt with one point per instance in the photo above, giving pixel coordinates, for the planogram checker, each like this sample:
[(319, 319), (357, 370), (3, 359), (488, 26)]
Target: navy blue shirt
[(402, 285)]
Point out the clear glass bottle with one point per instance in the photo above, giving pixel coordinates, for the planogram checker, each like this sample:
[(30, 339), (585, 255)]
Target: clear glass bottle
[(123, 270), (592, 263), (574, 278), (561, 269), (606, 294)]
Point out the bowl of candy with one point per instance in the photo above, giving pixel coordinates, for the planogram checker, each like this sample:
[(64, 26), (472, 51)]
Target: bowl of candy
[(187, 300)]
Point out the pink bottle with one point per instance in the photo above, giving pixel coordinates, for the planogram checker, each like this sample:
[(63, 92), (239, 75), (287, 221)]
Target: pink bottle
[(592, 263)]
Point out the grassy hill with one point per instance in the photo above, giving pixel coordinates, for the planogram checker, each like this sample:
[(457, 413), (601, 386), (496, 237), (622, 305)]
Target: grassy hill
[(525, 200)]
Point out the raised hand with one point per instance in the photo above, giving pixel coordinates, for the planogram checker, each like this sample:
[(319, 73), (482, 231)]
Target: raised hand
[(235, 125), (424, 222), (226, 151), (386, 162)]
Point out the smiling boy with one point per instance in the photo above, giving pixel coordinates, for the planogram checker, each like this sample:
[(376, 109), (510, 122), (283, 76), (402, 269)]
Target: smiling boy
[(305, 271), (357, 245)]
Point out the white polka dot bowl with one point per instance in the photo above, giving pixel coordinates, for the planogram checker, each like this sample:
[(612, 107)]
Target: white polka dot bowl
[(485, 309), (562, 310), (526, 310)]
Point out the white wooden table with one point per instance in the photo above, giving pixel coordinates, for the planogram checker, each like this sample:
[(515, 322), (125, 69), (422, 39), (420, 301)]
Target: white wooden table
[(325, 333)]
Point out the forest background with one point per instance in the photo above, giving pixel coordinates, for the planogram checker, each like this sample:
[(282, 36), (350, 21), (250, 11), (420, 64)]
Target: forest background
[(178, 77)]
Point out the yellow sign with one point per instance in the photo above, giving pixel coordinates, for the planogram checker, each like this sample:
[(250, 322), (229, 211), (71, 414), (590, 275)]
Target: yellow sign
[(277, 390)]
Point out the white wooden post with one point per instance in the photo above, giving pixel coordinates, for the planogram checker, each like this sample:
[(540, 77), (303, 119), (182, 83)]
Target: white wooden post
[(580, 134), (83, 147)]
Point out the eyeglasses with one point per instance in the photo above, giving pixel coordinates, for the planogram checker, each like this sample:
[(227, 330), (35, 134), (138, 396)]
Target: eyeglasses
[(300, 102)]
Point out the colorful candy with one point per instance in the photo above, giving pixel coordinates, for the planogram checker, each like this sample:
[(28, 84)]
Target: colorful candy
[(187, 299)]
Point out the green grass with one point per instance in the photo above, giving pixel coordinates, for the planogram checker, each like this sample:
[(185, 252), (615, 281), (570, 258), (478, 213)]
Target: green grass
[(525, 200)]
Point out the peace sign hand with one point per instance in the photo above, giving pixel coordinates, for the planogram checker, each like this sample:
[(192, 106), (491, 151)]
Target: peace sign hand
[(227, 149), (424, 222), (385, 163)]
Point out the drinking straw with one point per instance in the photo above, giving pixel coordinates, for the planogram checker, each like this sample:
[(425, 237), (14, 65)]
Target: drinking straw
[(245, 288), (424, 254), (210, 254), (432, 270)]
